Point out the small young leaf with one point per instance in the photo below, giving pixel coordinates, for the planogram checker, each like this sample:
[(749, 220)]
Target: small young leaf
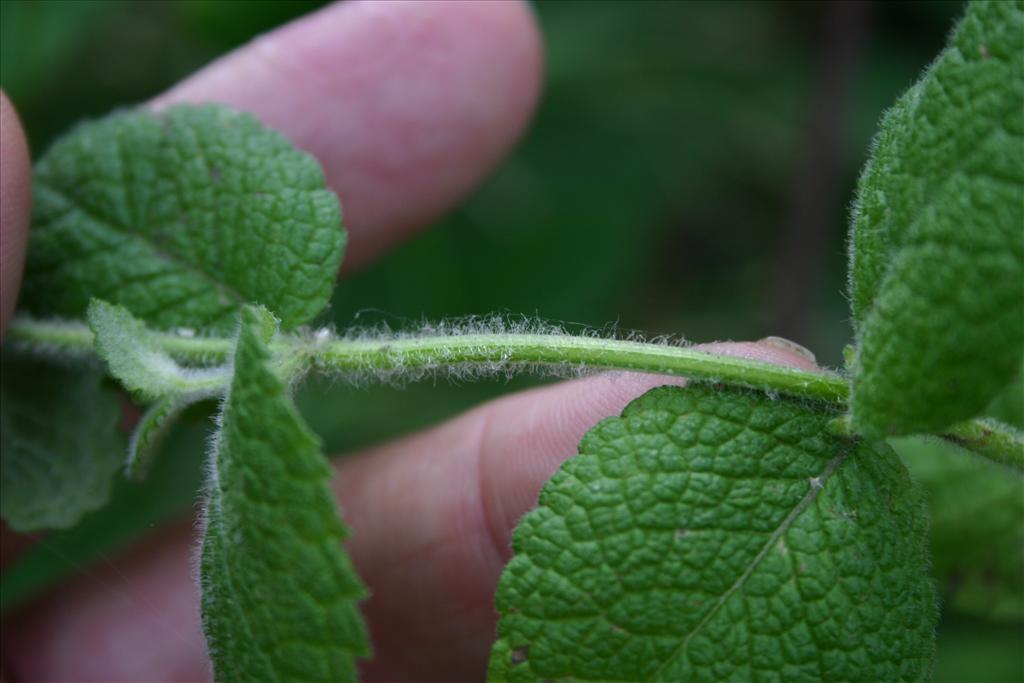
[(717, 535), (977, 529), (279, 594), (149, 434), (137, 360), (59, 440), (937, 237), (181, 216)]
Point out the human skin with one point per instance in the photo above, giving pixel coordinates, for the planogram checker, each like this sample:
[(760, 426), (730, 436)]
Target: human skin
[(406, 106)]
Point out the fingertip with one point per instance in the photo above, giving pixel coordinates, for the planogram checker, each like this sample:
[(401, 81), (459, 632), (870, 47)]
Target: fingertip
[(132, 617), (13, 544), (15, 206), (406, 105), (774, 350)]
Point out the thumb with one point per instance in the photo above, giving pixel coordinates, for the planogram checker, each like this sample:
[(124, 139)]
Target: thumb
[(15, 203)]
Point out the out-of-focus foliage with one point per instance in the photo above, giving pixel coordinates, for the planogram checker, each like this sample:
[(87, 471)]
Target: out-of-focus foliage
[(61, 450), (977, 650), (134, 509), (653, 190), (1008, 406), (977, 528)]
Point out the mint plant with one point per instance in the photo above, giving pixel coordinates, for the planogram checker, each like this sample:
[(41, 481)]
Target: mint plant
[(304, 591), (758, 523)]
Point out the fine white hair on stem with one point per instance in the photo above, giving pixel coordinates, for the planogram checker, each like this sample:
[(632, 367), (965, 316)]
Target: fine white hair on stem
[(440, 362), (491, 324), (467, 348)]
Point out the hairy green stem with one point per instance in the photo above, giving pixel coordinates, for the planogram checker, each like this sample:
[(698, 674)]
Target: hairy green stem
[(408, 356), (485, 351), (566, 351), (75, 338), (990, 438)]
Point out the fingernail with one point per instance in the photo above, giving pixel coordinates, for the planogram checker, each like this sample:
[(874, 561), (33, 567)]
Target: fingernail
[(787, 345)]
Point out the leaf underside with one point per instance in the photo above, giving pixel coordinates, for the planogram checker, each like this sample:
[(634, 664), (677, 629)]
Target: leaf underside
[(711, 535), (937, 236), (59, 439), (135, 358), (181, 216), (279, 594)]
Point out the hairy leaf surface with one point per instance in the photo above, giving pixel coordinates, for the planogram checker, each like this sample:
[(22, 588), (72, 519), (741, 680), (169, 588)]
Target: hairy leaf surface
[(937, 237), (279, 594), (134, 356), (977, 529), (59, 440), (149, 434), (712, 535), (181, 216)]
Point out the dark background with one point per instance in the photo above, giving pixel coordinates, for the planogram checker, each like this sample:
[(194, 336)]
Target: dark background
[(689, 172)]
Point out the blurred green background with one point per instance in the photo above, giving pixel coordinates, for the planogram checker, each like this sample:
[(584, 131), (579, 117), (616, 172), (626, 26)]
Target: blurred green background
[(689, 171)]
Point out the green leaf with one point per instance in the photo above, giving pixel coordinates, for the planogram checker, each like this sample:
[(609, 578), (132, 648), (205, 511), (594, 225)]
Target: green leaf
[(134, 356), (712, 535), (936, 247), (150, 433), (977, 530), (133, 509), (181, 216), (279, 594), (59, 443)]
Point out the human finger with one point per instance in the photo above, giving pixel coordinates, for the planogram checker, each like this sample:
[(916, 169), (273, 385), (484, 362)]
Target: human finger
[(15, 204), (129, 619), (405, 104)]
